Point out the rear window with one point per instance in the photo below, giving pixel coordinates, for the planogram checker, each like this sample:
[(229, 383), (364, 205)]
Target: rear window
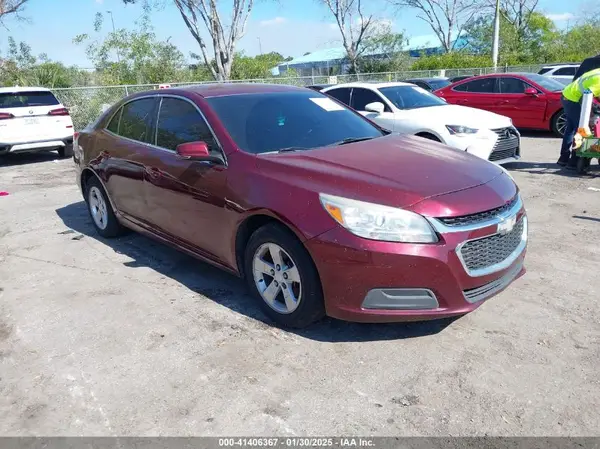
[(27, 99)]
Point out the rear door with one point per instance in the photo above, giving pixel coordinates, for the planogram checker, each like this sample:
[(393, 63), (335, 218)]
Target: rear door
[(526, 111), (481, 93), (123, 149), (33, 116), (361, 97)]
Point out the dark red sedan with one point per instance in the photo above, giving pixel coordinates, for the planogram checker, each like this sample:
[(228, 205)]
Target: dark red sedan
[(321, 211), (532, 101)]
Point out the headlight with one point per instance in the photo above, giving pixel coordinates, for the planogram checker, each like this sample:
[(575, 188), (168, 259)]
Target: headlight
[(461, 130), (377, 222)]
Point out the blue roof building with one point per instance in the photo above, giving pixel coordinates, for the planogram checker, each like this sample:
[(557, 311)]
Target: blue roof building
[(328, 59)]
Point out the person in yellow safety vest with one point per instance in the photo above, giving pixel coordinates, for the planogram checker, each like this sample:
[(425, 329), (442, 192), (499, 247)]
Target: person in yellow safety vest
[(571, 101)]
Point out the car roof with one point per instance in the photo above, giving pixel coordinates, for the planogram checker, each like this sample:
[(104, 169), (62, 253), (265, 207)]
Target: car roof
[(434, 78), (22, 89), (555, 66), (370, 84), (226, 89)]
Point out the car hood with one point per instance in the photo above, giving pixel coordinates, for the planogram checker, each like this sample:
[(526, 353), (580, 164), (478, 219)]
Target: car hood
[(460, 115), (394, 170)]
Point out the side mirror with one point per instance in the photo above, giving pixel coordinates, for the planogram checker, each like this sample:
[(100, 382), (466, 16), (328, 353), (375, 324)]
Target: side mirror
[(193, 150), (531, 91), (376, 107)]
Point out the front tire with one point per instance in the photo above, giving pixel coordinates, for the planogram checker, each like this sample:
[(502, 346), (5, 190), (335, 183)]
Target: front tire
[(558, 123), (283, 278), (100, 210)]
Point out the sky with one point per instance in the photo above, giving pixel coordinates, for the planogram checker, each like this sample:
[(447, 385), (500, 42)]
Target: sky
[(290, 27)]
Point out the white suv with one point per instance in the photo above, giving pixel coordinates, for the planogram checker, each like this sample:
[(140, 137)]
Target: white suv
[(32, 119), (563, 73)]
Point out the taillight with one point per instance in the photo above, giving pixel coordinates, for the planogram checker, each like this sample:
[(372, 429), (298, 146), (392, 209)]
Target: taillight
[(5, 115), (59, 111), (75, 135)]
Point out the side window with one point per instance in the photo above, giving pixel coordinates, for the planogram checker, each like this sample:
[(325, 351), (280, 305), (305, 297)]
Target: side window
[(342, 94), (113, 126), (512, 86), (362, 97), (136, 120), (180, 122), (483, 85), (566, 71)]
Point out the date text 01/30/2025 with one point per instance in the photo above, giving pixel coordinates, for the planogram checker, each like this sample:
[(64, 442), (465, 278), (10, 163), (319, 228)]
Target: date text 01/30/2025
[(296, 442)]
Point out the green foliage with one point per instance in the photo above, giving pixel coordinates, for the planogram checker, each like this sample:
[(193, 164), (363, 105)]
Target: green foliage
[(257, 67), (455, 60), (133, 56), (389, 48)]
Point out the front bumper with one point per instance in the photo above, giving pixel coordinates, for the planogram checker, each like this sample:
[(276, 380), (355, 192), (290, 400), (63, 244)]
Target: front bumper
[(371, 281), (490, 144)]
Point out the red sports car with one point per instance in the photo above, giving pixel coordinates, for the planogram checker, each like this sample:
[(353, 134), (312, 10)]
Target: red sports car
[(532, 101)]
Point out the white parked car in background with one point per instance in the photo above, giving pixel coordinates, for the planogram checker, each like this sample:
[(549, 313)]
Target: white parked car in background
[(32, 119), (408, 109), (563, 73)]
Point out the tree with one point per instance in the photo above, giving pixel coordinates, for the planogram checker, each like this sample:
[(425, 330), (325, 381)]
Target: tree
[(354, 26), (444, 16), (385, 52), (257, 67), (206, 15), (8, 7), (141, 57)]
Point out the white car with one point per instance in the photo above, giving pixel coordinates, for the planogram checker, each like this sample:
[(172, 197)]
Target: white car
[(32, 119), (563, 73), (408, 109)]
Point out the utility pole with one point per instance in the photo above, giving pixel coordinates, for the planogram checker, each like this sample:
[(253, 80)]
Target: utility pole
[(495, 43), (259, 45), (112, 20)]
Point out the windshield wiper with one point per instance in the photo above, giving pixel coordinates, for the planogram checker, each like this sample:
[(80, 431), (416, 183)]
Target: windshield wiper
[(286, 150), (351, 140)]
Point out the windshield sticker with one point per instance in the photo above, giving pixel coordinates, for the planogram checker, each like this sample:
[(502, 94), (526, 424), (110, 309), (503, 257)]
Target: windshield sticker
[(327, 103)]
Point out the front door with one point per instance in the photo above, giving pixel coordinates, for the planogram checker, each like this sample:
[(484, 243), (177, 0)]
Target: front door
[(186, 197), (525, 110), (361, 97)]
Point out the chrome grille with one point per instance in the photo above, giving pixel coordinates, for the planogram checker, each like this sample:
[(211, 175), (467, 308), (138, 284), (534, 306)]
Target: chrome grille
[(506, 146), (488, 251), (479, 217)]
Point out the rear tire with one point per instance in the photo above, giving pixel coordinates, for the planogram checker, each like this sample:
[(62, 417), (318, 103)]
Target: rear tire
[(100, 210), (283, 278), (66, 151), (558, 123)]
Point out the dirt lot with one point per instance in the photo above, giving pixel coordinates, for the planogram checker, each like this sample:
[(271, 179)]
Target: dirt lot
[(128, 337)]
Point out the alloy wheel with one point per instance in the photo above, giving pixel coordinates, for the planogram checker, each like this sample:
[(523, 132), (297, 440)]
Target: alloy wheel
[(277, 278), (98, 208)]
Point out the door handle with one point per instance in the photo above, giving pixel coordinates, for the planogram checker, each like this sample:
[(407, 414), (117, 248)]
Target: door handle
[(153, 172)]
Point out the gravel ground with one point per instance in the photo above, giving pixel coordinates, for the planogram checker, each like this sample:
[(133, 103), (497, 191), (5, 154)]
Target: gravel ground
[(128, 337)]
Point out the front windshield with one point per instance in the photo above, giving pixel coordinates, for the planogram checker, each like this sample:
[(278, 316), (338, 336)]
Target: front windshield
[(411, 97), (267, 122), (547, 83), (439, 84)]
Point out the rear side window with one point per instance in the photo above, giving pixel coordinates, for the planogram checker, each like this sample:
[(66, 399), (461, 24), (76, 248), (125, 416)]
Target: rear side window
[(342, 94), (180, 122), (566, 71), (544, 70), (136, 120), (27, 99), (483, 85), (113, 126), (362, 97)]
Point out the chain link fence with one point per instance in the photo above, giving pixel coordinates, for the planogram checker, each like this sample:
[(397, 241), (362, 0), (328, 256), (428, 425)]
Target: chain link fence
[(87, 103)]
